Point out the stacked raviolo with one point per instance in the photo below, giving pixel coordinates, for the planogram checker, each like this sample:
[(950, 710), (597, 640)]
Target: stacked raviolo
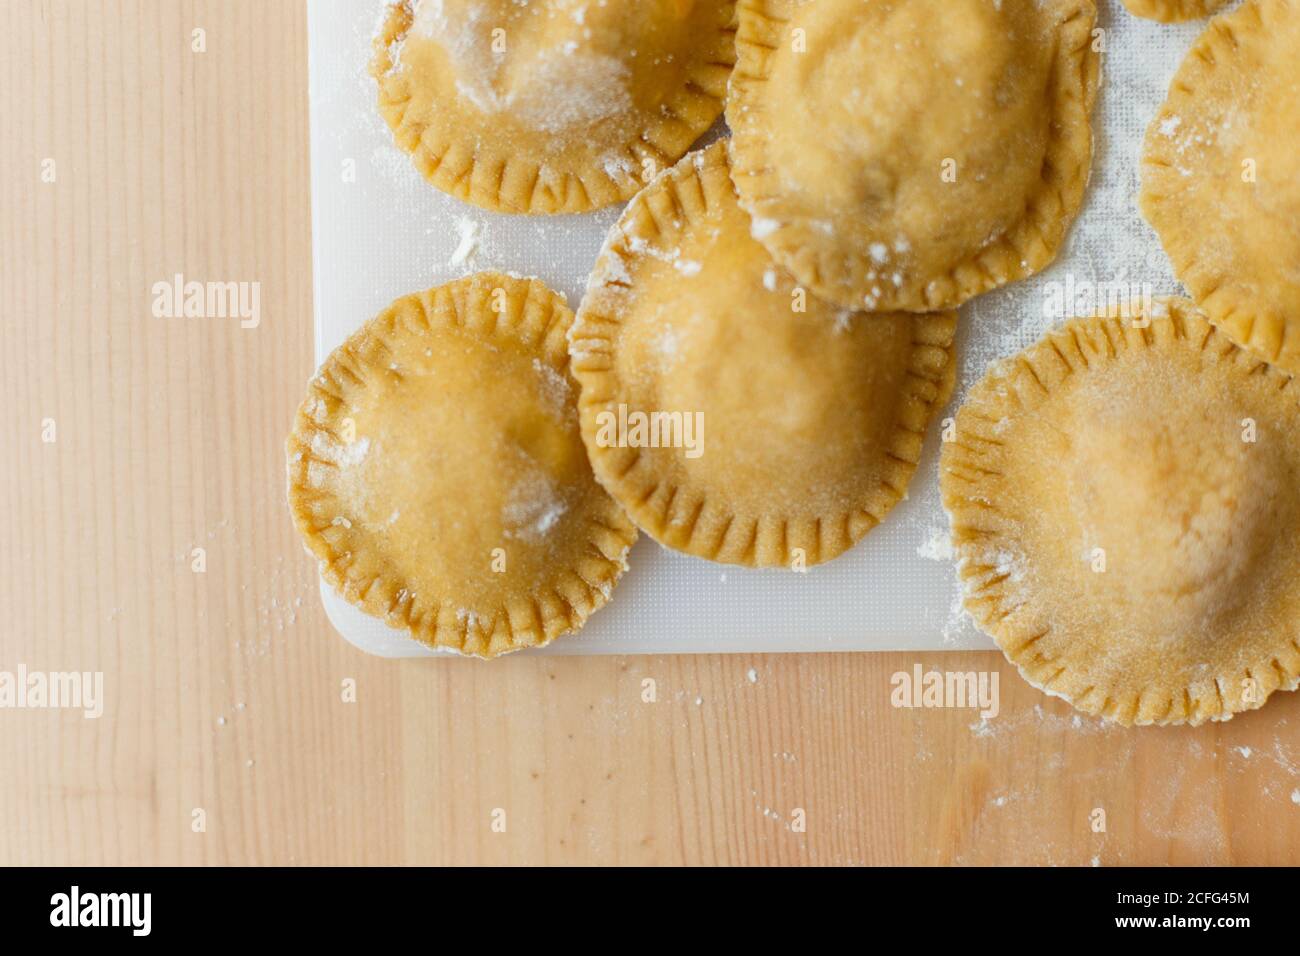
[(813, 415)]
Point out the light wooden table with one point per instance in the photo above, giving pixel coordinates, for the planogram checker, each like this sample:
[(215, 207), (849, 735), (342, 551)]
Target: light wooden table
[(224, 688)]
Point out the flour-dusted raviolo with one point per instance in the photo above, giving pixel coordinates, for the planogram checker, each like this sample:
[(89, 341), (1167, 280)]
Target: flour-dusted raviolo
[(1174, 11), (812, 417), (437, 472), (1221, 176), (910, 154), (551, 106), (1125, 502)]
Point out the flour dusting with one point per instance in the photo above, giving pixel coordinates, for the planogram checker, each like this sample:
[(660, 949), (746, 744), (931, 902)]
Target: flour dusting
[(467, 248), (500, 74)]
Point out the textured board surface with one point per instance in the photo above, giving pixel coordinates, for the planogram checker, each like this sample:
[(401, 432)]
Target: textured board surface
[(379, 231)]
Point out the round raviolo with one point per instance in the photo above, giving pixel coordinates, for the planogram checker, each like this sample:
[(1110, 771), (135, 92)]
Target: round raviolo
[(910, 154), (1125, 498), (734, 416), (551, 106), (1221, 176), (437, 473)]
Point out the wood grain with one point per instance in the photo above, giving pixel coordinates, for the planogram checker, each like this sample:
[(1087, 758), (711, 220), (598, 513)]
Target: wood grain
[(224, 688)]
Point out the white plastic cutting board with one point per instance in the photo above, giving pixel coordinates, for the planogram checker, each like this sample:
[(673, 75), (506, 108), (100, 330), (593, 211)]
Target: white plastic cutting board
[(379, 231)]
